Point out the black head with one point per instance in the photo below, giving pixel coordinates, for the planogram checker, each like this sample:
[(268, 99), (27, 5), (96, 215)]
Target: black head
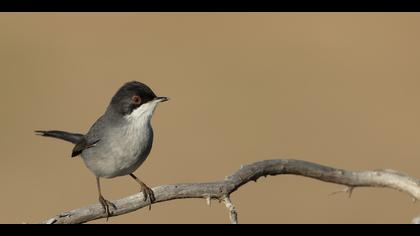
[(131, 96)]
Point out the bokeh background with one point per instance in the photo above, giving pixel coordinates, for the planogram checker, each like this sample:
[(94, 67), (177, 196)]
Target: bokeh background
[(340, 89)]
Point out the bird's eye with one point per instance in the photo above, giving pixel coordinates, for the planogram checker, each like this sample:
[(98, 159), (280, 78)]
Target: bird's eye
[(136, 100)]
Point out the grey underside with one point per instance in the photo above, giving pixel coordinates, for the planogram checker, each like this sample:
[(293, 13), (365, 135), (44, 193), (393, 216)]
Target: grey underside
[(120, 150)]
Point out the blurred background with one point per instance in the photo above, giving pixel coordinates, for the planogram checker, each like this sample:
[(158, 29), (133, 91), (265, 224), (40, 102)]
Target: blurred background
[(339, 89)]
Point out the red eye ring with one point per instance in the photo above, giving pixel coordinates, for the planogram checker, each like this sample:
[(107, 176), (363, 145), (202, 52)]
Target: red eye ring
[(136, 100)]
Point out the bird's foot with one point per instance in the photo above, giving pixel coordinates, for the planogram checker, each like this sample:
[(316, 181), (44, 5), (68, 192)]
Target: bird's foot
[(106, 205), (148, 194)]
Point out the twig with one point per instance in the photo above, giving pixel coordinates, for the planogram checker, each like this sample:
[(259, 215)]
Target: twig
[(233, 215), (221, 189)]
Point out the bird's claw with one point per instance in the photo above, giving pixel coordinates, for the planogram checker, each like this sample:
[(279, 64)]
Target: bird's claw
[(148, 195), (106, 205)]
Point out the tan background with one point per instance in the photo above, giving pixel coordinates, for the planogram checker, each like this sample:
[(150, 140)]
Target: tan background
[(337, 89)]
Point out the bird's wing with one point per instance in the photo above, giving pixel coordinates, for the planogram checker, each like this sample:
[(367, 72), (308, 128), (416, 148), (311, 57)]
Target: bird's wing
[(82, 145), (94, 135)]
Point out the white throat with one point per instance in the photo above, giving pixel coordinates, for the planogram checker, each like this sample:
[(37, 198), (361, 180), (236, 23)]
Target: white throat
[(142, 114)]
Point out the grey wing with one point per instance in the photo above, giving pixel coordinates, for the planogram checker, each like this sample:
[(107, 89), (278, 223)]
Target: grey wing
[(82, 145), (90, 139)]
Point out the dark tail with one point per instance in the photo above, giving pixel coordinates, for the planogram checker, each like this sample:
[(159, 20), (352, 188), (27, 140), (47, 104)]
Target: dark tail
[(70, 137)]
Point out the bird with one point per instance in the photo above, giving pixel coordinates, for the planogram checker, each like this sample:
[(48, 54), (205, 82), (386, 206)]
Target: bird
[(119, 141)]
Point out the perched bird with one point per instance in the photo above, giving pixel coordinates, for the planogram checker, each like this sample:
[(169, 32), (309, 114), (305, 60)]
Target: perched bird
[(120, 140)]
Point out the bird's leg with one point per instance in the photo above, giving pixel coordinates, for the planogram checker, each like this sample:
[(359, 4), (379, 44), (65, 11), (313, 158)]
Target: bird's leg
[(147, 192), (105, 203)]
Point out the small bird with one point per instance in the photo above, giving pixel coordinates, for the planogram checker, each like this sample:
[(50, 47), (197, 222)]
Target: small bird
[(120, 140)]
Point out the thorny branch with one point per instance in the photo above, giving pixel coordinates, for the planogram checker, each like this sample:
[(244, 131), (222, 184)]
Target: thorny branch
[(221, 190)]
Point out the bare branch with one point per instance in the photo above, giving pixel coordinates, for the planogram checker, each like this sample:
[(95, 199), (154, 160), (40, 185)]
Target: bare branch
[(221, 189), (233, 215)]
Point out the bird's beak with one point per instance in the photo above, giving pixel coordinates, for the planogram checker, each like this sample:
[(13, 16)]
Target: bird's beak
[(161, 99)]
